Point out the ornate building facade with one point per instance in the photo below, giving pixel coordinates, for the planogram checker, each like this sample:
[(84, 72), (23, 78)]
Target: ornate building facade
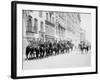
[(34, 23), (49, 25), (60, 25), (73, 29)]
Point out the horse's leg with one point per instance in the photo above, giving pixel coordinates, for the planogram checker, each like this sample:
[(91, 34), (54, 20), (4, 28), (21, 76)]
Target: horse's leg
[(26, 55), (36, 54), (81, 50), (68, 50), (87, 50)]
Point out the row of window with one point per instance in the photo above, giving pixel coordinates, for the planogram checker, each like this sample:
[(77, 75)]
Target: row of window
[(33, 28), (49, 17), (60, 31)]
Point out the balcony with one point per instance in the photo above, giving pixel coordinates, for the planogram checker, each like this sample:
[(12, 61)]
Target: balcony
[(49, 23)]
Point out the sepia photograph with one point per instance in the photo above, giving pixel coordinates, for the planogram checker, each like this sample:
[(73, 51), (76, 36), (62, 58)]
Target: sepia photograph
[(53, 39)]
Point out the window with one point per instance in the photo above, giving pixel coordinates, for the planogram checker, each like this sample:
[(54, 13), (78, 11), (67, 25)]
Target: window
[(52, 19), (35, 25), (41, 26), (29, 23), (40, 13), (46, 16)]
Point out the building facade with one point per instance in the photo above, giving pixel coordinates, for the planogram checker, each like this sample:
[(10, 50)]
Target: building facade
[(50, 26), (73, 29), (60, 25), (34, 23)]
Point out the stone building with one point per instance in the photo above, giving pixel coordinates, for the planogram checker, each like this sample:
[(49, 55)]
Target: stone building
[(73, 29), (34, 24), (38, 25), (49, 25), (60, 25)]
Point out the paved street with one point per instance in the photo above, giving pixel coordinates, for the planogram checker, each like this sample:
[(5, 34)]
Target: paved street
[(74, 59)]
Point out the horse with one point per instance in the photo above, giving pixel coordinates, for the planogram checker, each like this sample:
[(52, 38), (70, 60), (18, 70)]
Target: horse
[(27, 51), (84, 47)]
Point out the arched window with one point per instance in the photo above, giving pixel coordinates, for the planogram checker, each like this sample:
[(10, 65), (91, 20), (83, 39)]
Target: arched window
[(35, 25), (41, 26), (46, 16), (53, 20), (29, 23)]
